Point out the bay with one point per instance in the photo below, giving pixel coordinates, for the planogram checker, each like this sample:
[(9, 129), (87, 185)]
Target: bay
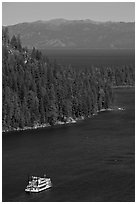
[(86, 58), (92, 160)]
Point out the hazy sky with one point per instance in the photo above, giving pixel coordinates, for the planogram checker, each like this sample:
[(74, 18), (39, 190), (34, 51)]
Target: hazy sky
[(16, 12)]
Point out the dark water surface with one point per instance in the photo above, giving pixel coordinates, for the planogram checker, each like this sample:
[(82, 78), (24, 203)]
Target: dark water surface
[(81, 58), (92, 160)]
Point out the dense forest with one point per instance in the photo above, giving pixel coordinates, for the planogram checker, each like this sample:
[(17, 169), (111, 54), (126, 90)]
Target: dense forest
[(36, 91)]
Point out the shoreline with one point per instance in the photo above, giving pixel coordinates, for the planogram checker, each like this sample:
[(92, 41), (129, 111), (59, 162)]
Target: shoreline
[(69, 120), (45, 125)]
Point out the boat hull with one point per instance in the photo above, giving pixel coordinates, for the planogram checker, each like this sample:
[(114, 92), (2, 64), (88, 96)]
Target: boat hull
[(36, 190)]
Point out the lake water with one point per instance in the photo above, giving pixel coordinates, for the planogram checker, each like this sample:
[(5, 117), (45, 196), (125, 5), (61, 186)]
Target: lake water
[(87, 57), (92, 160)]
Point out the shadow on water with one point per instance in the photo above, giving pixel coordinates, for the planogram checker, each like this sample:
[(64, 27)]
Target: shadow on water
[(92, 160)]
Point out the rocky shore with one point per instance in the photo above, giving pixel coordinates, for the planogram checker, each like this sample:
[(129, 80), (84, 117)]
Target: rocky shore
[(69, 120)]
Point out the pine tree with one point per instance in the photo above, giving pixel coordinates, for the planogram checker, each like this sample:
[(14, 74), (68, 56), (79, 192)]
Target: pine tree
[(36, 91)]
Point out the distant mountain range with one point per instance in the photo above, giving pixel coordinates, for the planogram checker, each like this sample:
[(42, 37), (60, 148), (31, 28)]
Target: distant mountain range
[(62, 33)]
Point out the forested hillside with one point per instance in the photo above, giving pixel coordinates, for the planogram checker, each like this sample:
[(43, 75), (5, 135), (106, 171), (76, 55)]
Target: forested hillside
[(36, 92)]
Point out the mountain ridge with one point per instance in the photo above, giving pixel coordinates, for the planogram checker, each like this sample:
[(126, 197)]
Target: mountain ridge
[(63, 33)]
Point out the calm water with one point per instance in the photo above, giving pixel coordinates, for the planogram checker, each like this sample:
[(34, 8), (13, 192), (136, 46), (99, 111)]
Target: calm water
[(88, 57), (92, 160)]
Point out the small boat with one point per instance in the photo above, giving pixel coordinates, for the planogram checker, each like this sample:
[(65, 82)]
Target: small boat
[(37, 184)]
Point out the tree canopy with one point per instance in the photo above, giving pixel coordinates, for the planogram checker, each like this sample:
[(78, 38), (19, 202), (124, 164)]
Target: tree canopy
[(38, 92)]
